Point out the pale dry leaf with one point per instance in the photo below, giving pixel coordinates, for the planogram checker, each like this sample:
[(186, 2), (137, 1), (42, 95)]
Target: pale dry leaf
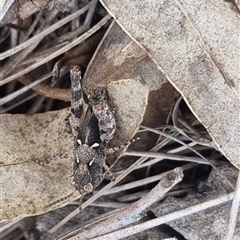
[(27, 187), (129, 99), (196, 45), (119, 57), (33, 138)]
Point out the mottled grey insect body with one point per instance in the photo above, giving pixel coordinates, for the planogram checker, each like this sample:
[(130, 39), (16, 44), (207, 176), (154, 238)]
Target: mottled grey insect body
[(87, 167), (91, 142), (101, 110)]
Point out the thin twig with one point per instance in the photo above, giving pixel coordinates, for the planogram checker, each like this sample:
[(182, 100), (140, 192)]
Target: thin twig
[(40, 54), (135, 196), (58, 52), (15, 94), (174, 139), (13, 61), (123, 233), (34, 24), (135, 184), (134, 212), (4, 110), (92, 222), (86, 25), (46, 32), (67, 37), (158, 159), (234, 211), (104, 189)]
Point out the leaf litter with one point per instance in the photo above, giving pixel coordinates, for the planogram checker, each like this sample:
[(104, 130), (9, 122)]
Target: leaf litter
[(139, 93)]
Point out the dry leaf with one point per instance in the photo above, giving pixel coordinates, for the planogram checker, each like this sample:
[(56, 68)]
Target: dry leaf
[(129, 99), (33, 138), (119, 57), (28, 188), (196, 45)]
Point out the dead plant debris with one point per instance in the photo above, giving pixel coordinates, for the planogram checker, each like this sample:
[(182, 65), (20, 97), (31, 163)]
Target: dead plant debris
[(173, 83)]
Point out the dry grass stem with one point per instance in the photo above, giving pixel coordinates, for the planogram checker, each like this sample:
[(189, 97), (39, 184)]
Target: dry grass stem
[(34, 24), (123, 233), (158, 159), (14, 61), (166, 156), (144, 181), (224, 179), (46, 32), (135, 184), (58, 52), (194, 135), (15, 94), (234, 211), (174, 139), (39, 55), (4, 110)]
